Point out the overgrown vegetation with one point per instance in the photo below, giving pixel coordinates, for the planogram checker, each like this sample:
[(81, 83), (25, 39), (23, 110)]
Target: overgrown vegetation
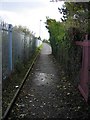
[(23, 29), (73, 27)]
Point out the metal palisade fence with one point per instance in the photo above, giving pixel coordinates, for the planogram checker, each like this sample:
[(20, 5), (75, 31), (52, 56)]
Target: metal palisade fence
[(0, 54), (17, 48), (0, 71)]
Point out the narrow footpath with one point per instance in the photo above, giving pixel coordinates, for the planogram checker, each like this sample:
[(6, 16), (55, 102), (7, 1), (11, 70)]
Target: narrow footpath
[(48, 94)]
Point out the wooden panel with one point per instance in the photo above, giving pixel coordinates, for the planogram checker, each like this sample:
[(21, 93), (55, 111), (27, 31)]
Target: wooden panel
[(85, 70)]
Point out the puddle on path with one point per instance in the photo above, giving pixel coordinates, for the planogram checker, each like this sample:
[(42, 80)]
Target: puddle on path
[(43, 78)]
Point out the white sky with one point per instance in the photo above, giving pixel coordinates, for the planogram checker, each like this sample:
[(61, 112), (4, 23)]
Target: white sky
[(29, 13)]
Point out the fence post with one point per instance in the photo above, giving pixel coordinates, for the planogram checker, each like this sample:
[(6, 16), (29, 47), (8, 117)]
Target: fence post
[(0, 53), (10, 46), (0, 70), (84, 72)]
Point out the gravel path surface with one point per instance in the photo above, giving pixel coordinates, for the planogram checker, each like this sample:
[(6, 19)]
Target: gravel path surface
[(48, 94)]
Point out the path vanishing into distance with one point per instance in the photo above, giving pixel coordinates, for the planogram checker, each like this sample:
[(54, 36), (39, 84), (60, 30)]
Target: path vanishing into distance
[(47, 93)]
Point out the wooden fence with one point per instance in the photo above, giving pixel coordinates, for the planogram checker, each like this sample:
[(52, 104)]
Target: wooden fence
[(85, 69)]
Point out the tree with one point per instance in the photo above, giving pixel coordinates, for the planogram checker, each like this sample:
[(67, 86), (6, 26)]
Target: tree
[(22, 29), (76, 14)]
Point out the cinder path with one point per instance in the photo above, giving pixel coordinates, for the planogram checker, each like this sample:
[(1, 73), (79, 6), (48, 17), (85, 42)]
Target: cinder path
[(48, 94)]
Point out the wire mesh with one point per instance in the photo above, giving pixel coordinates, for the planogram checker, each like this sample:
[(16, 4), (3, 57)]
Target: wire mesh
[(5, 51), (17, 48), (0, 71), (0, 52)]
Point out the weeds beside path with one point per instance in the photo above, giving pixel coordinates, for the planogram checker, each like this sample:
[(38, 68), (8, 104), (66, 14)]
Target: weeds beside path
[(11, 84)]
